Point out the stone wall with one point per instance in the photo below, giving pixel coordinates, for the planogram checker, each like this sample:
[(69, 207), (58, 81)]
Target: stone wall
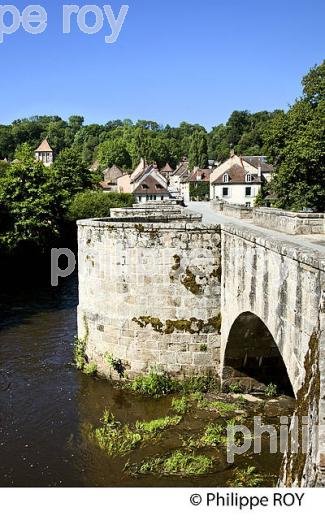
[(149, 293), (289, 221)]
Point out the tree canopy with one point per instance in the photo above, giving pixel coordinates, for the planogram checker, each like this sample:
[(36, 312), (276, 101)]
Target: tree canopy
[(296, 144)]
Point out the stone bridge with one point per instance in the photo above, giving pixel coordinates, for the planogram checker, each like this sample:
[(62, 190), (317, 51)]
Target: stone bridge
[(214, 296)]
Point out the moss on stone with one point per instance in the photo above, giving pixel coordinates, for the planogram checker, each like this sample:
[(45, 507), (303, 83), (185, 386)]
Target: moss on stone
[(144, 321), (177, 262), (190, 283), (191, 326)]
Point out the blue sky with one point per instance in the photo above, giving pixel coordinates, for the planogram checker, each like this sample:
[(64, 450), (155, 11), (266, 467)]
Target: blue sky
[(174, 60)]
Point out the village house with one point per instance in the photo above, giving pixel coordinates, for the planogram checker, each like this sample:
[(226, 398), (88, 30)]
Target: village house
[(111, 176), (146, 183), (44, 153), (239, 179), (178, 181)]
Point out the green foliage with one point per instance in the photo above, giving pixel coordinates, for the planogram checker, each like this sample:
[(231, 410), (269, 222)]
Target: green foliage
[(271, 390), (117, 439), (27, 203), (153, 385), (296, 144), (178, 463), (214, 435), (245, 478), (157, 425), (235, 388), (199, 384), (199, 190), (181, 405), (90, 369), (198, 151), (79, 353), (116, 364), (114, 152), (96, 204), (221, 407)]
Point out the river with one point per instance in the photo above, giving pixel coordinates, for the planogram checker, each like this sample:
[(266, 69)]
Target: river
[(47, 406)]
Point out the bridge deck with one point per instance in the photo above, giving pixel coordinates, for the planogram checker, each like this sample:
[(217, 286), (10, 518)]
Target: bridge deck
[(311, 244)]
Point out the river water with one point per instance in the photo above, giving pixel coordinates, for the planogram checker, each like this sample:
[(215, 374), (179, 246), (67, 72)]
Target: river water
[(46, 405)]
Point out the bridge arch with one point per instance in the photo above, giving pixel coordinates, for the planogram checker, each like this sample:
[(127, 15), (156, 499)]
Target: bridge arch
[(252, 357)]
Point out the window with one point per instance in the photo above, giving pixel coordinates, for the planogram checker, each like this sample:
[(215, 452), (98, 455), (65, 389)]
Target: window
[(248, 205), (226, 177), (145, 186), (225, 192), (248, 192), (248, 177)]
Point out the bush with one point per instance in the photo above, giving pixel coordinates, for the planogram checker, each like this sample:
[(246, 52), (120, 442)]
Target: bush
[(96, 204)]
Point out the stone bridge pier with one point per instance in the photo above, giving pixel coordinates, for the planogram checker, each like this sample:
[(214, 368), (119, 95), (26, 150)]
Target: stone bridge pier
[(273, 329)]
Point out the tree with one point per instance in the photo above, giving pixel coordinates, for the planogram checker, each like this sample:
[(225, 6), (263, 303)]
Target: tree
[(114, 152), (198, 154), (296, 143), (26, 203), (69, 175)]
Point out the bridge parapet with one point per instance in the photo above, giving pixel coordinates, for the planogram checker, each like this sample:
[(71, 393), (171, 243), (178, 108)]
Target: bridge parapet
[(293, 223)]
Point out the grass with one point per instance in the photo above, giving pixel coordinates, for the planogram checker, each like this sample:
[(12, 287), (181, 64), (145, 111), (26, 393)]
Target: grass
[(179, 463), (157, 385), (221, 407), (157, 425), (245, 478), (153, 385), (214, 435), (181, 405), (117, 439)]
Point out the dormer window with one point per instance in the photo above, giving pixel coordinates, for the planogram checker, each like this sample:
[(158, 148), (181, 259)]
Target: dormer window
[(248, 177), (226, 177)]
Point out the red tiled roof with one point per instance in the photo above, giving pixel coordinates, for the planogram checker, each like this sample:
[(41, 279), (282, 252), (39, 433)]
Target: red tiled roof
[(203, 173), (151, 186)]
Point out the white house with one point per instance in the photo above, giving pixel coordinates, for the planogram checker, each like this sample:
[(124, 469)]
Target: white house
[(239, 179)]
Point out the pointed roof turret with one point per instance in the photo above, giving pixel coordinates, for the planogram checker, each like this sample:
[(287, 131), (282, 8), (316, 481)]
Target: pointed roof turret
[(44, 147)]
